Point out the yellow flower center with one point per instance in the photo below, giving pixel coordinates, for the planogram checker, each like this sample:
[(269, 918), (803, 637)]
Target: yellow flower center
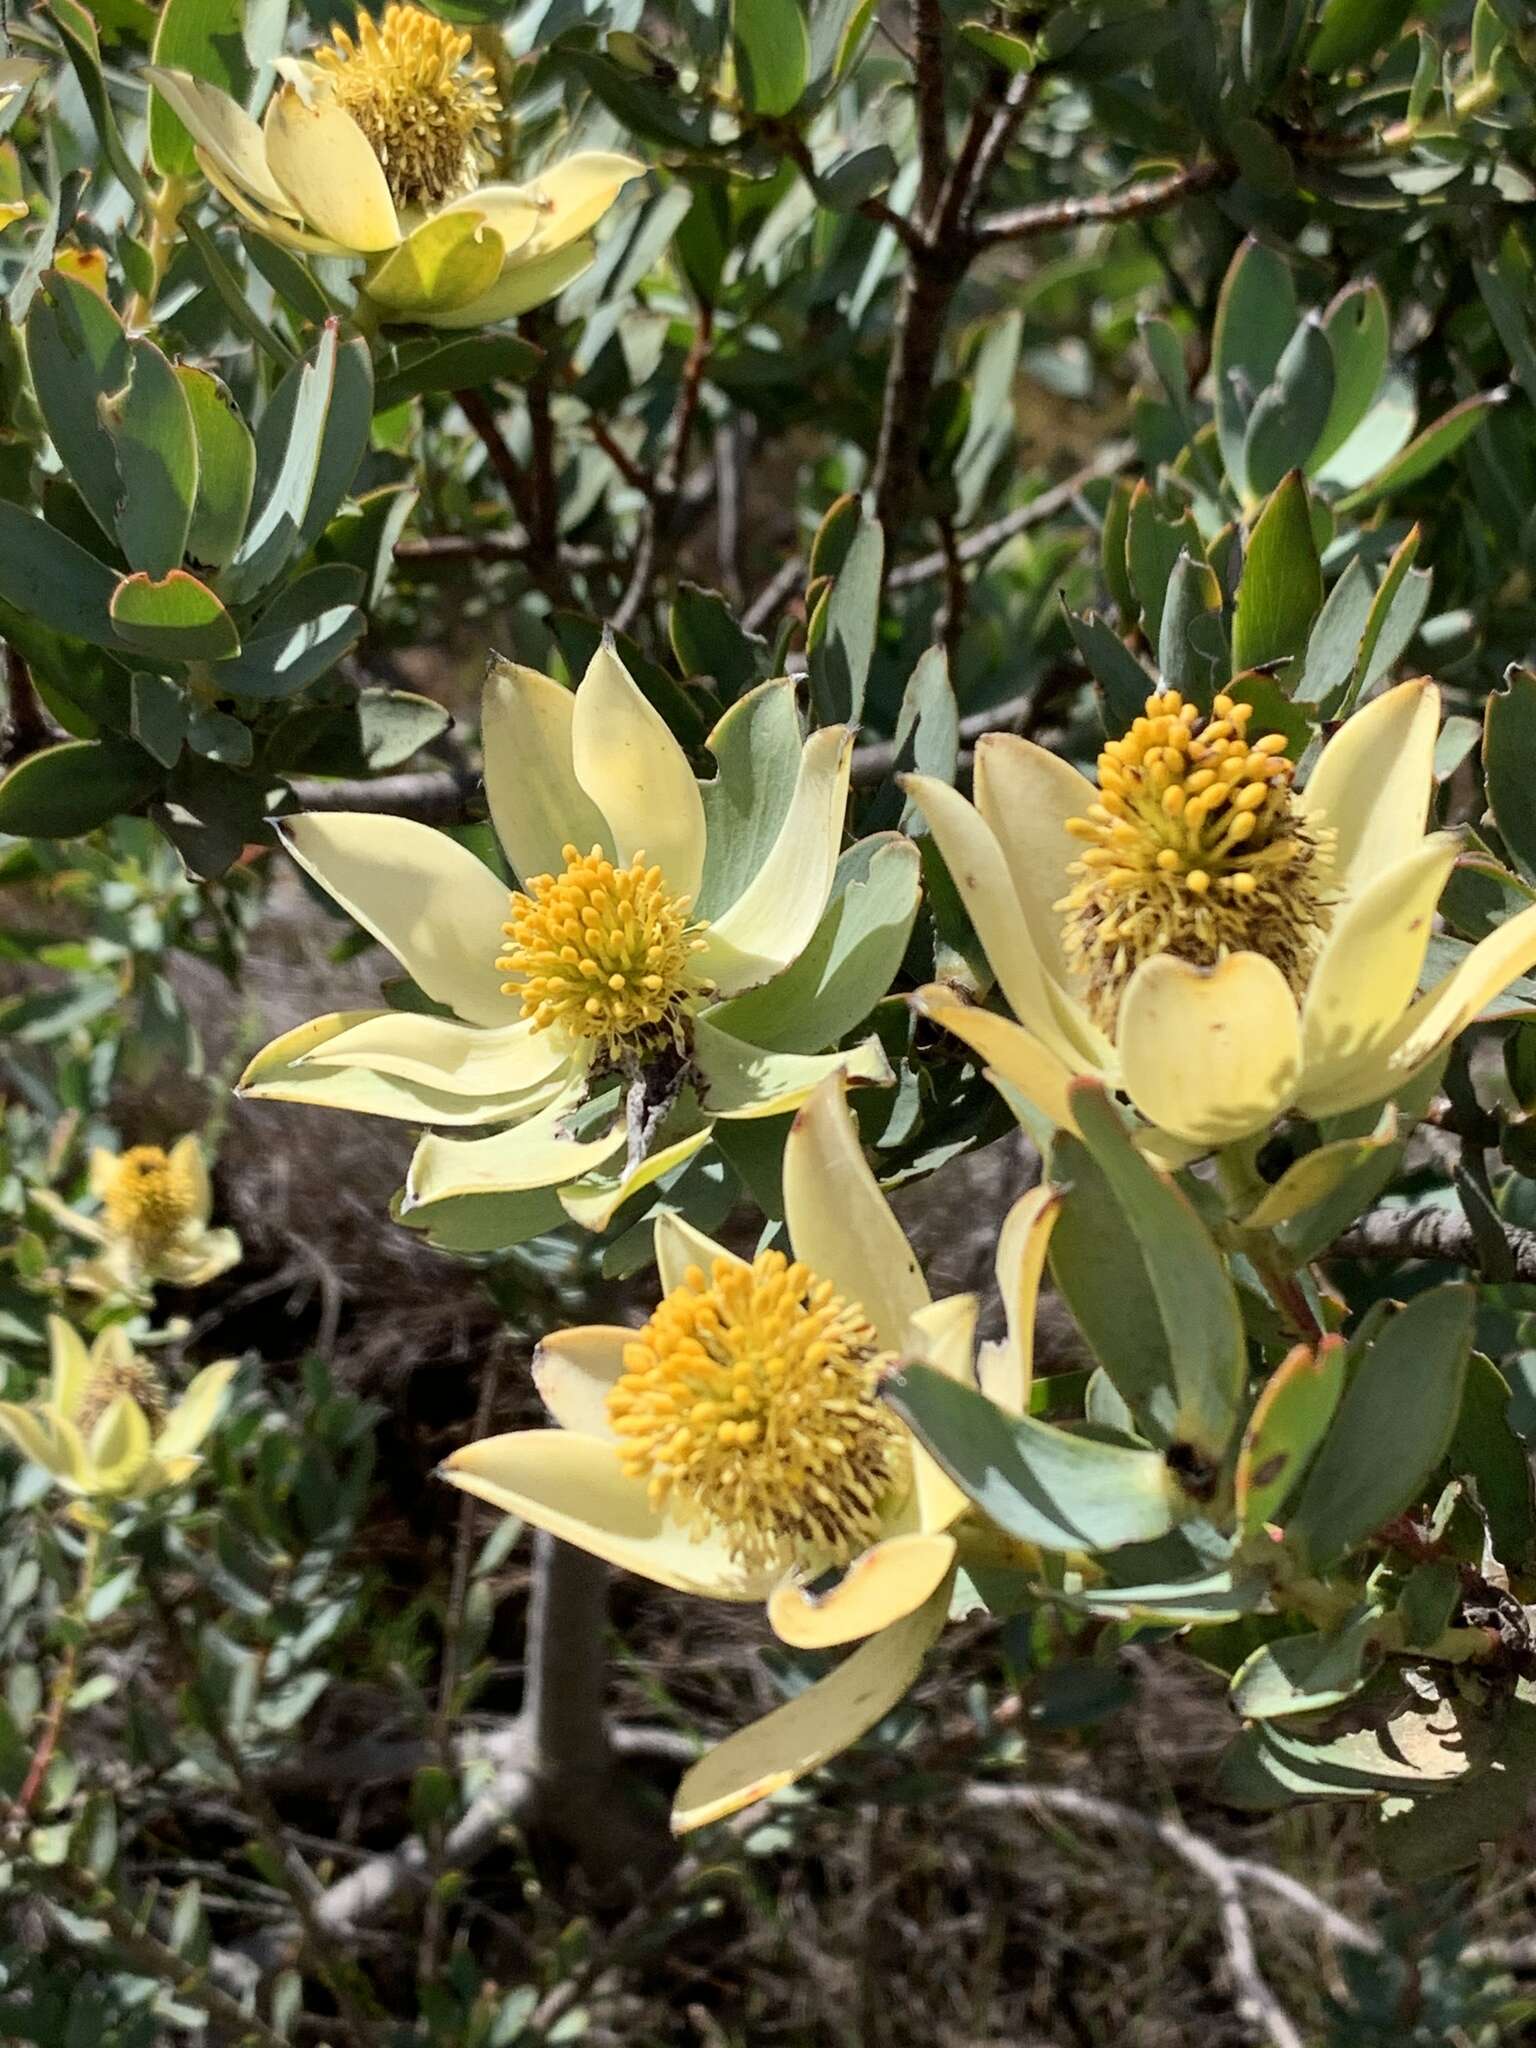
[(748, 1405), (1194, 848), (149, 1199), (430, 119), (606, 952), (133, 1376)]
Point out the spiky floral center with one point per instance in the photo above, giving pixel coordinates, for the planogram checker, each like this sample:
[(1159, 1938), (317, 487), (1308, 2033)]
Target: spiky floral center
[(607, 952), (1193, 848), (747, 1403), (127, 1374), (430, 117), (149, 1200)]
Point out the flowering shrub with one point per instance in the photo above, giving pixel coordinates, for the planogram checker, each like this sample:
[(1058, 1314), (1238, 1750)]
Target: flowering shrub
[(1121, 416)]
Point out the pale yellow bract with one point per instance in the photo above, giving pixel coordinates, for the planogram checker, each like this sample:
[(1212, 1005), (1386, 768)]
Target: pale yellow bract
[(104, 1430), (736, 1447), (601, 819), (376, 147), (152, 1226), (1306, 999)]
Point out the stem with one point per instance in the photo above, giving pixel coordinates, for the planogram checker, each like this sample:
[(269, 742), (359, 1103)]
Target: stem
[(62, 1689), (160, 217), (567, 1664)]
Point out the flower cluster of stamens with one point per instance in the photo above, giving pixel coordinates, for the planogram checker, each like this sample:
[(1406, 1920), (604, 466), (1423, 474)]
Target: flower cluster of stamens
[(430, 118), (130, 1375), (1193, 848), (748, 1405), (607, 952), (149, 1199)]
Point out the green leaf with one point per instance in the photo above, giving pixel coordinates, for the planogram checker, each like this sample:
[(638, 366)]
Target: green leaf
[(174, 618), (1122, 1325), (1255, 318), (226, 469), (289, 439), (1350, 31), (708, 641), (1288, 1422), (773, 53), (1509, 735), (293, 655), (1508, 292), (467, 362), (1036, 1482), (757, 745), (77, 31), (1393, 1426), (1291, 412), (1333, 646), (48, 577), (840, 659), (205, 37), (1425, 1838), (1486, 1449), (160, 713), (929, 719), (1358, 326), (66, 790), (1395, 612), (344, 440), (1304, 1674), (851, 959), (1194, 595), (395, 724), (1202, 1321), (1424, 453), (1124, 685), (77, 354), (1281, 592), (151, 423), (1009, 52), (1153, 544), (1418, 1749)]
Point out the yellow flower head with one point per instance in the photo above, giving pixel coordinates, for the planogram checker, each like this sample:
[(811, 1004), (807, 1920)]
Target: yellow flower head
[(1194, 847), (604, 972), (748, 1405), (105, 1428), (1202, 936), (735, 1447), (153, 1223), (376, 146), (429, 115), (605, 952), (149, 1198)]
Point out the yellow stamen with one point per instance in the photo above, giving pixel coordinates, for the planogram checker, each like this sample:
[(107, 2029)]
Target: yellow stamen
[(430, 119), (149, 1200), (131, 1375), (748, 1405), (1193, 848), (609, 953)]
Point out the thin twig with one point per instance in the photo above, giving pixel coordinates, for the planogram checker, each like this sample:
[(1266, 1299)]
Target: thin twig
[(1055, 216), (773, 594), (1256, 2002), (668, 487), (1110, 460)]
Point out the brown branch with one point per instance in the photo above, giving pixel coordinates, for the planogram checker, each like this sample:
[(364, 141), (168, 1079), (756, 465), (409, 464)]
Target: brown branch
[(527, 502), (1109, 461), (928, 79), (1429, 1233), (432, 796), (664, 496), (1055, 216)]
